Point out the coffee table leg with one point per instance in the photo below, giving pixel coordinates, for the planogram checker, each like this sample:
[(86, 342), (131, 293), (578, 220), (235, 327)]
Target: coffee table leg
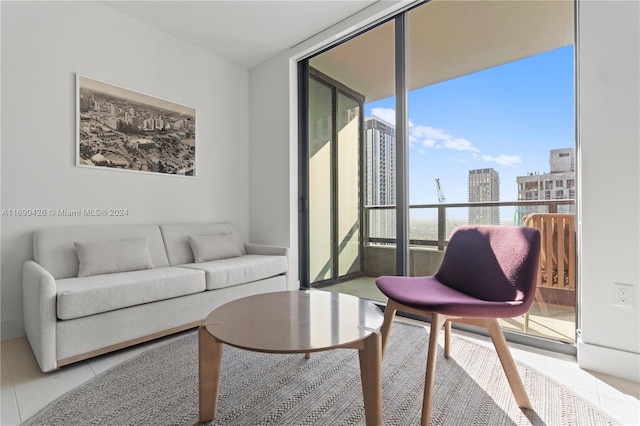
[(371, 374), (209, 363)]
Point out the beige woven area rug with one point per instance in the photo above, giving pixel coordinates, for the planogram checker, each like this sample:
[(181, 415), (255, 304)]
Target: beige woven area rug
[(160, 387)]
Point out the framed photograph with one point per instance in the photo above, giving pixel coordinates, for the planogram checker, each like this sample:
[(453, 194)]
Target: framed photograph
[(122, 129)]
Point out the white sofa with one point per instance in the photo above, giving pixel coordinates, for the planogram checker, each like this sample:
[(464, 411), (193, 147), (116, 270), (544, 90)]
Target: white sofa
[(69, 318)]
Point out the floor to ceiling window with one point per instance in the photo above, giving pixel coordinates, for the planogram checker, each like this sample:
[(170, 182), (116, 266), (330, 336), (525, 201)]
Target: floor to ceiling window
[(500, 123), (490, 140)]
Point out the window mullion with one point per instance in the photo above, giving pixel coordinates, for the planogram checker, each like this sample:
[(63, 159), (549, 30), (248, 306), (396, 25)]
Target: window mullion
[(402, 149)]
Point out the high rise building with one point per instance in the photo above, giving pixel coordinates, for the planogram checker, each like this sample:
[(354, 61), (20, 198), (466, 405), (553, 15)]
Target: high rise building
[(558, 184), (85, 104), (484, 186), (380, 175), (135, 122)]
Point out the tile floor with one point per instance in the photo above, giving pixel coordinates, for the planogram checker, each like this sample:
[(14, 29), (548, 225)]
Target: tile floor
[(25, 390)]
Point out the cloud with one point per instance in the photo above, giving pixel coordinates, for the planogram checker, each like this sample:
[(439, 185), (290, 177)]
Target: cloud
[(460, 144), (432, 137), (436, 138), (504, 160), (426, 136), (386, 114)]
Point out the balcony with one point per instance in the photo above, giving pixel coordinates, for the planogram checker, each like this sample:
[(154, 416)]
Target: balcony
[(553, 314)]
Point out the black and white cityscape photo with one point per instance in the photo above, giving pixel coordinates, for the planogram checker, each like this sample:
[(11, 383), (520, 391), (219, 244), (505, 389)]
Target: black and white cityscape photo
[(123, 129)]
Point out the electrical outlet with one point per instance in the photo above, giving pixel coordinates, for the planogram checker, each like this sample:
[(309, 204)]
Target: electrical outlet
[(623, 294)]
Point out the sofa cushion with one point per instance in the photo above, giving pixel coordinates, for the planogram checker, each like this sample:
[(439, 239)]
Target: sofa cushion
[(107, 257), (239, 270), (54, 250), (80, 297), (176, 239), (213, 247)]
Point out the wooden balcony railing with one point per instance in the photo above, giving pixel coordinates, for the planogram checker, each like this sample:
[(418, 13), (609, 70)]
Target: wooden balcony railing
[(557, 265)]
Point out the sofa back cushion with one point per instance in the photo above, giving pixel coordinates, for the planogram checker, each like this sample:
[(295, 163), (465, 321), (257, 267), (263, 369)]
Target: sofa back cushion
[(54, 249), (176, 239), (109, 257), (213, 247)]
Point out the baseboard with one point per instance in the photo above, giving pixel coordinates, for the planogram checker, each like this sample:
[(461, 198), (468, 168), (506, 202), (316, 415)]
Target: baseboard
[(614, 362), (11, 328)]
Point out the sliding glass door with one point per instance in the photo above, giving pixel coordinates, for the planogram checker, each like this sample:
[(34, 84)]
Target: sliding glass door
[(348, 190), (334, 199), (348, 161), (321, 176)]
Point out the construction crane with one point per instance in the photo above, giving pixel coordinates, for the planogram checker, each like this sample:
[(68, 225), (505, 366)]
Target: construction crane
[(441, 197), (443, 222)]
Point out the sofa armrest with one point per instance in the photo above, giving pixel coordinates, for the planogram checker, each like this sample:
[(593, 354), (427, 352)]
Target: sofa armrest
[(271, 251), (266, 250), (39, 312)]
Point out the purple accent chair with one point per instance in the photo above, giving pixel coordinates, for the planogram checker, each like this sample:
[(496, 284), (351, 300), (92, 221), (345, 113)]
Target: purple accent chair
[(487, 272)]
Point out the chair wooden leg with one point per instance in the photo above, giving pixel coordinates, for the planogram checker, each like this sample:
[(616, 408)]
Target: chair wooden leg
[(508, 365), (447, 339), (389, 314), (437, 321)]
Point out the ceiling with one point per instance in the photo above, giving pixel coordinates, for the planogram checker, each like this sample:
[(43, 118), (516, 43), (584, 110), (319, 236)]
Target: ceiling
[(244, 32), (449, 39)]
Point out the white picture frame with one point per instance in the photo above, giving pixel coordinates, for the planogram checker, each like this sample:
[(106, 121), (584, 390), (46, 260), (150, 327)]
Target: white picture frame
[(123, 129)]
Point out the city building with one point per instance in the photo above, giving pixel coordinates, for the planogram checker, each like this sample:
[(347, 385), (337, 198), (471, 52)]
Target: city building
[(484, 185), (380, 175), (558, 184), (85, 104)]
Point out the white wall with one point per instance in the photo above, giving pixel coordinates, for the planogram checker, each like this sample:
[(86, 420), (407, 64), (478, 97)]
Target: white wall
[(43, 45), (272, 158), (609, 161), (609, 154)]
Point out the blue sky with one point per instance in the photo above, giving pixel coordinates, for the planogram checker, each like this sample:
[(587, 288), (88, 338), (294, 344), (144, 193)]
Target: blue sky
[(507, 118)]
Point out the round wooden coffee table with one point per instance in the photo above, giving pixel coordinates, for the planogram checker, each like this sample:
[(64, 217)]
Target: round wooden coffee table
[(293, 322)]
